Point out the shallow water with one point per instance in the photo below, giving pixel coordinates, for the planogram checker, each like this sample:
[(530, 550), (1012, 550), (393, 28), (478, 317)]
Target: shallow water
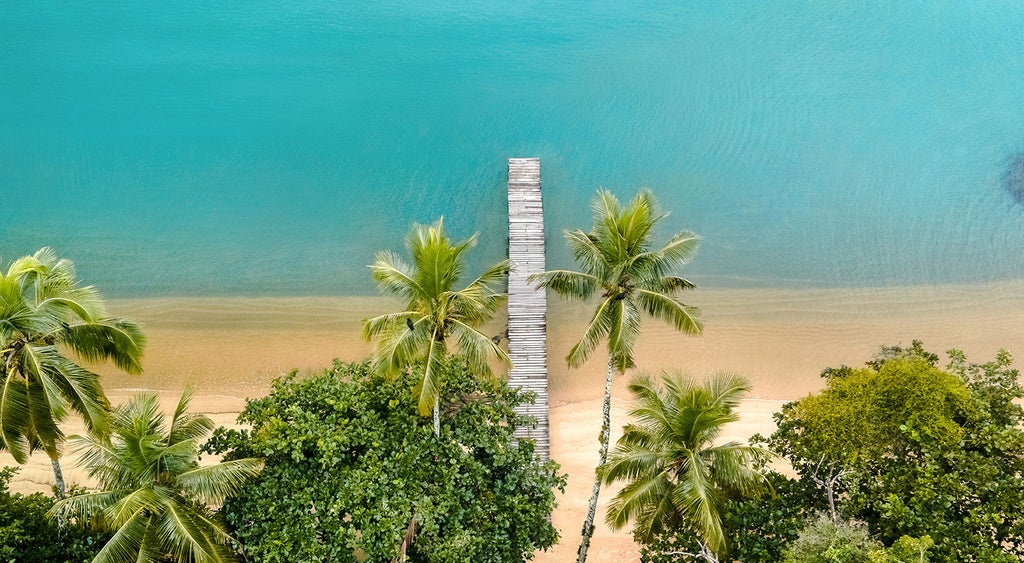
[(271, 150)]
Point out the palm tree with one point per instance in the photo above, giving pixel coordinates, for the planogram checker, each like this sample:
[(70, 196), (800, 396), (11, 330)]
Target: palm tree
[(436, 314), (676, 476), (45, 312), (153, 493), (629, 278)]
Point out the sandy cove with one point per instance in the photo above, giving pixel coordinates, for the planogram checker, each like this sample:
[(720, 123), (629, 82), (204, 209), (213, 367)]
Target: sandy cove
[(231, 348)]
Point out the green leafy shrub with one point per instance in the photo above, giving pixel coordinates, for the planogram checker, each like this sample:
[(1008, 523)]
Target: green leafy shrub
[(353, 473), (28, 536), (826, 541)]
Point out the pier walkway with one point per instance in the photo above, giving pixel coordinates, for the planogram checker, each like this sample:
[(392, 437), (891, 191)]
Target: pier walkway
[(527, 307)]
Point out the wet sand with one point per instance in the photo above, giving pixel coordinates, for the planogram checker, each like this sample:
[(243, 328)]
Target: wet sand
[(232, 348)]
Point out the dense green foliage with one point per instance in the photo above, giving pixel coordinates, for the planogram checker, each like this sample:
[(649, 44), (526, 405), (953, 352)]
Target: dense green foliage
[(757, 528), (828, 541), (350, 463), (677, 476), (436, 314), (630, 277), (915, 450), (153, 494), (28, 536), (44, 314)]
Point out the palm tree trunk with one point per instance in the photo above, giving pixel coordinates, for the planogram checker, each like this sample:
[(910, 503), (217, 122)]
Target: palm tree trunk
[(58, 477), (606, 424), (437, 416)]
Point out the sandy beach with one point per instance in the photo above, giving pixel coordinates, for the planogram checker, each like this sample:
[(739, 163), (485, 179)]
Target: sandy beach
[(781, 339)]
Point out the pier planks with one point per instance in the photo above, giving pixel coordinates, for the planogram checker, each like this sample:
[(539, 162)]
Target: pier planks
[(527, 306)]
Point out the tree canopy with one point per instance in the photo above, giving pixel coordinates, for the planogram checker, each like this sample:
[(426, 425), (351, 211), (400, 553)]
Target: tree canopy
[(913, 449), (350, 464)]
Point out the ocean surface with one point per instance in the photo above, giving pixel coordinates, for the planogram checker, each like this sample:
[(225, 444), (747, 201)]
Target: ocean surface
[(270, 149)]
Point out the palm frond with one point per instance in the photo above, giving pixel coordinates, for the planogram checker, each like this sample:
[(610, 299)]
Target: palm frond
[(427, 388), (374, 327), (124, 545), (574, 286), (83, 391), (185, 426), (635, 498), (214, 483), (477, 347), (14, 413), (117, 340), (695, 497), (85, 505), (598, 328), (682, 317), (398, 345), (393, 275), (182, 533), (624, 331), (586, 252)]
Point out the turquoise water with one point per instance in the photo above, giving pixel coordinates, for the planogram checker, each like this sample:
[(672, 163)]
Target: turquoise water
[(272, 149)]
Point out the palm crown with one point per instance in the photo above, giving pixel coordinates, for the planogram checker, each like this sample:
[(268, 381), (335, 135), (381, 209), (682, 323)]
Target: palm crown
[(152, 490), (629, 277), (676, 474), (43, 311), (436, 313)]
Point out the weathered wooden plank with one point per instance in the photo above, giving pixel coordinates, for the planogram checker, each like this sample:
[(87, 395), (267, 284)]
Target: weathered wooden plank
[(527, 306)]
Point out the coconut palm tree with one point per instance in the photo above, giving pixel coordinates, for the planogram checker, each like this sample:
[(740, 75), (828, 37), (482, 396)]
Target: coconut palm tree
[(629, 277), (676, 476), (153, 493), (436, 314), (44, 315)]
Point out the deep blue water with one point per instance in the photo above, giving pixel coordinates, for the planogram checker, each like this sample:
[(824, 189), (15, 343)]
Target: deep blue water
[(272, 149)]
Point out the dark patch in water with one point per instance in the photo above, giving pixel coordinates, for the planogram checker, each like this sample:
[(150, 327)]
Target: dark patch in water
[(1013, 178)]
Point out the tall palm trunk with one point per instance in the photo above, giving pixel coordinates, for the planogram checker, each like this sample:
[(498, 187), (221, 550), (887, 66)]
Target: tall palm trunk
[(606, 424), (58, 477)]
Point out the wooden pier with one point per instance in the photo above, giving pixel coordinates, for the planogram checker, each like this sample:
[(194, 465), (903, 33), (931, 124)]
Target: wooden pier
[(527, 306)]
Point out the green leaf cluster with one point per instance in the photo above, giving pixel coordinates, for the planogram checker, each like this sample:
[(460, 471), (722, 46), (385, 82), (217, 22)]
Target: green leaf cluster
[(28, 536), (354, 473), (921, 451)]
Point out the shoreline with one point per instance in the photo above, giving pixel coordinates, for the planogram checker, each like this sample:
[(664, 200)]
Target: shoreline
[(781, 339)]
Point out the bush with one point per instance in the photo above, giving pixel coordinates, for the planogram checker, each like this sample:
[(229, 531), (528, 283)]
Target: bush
[(28, 536), (354, 473)]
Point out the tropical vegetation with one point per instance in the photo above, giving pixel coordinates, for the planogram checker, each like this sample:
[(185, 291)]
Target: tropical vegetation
[(437, 314), (921, 454), (153, 494), (630, 277), (45, 314), (28, 536), (677, 476), (353, 472)]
